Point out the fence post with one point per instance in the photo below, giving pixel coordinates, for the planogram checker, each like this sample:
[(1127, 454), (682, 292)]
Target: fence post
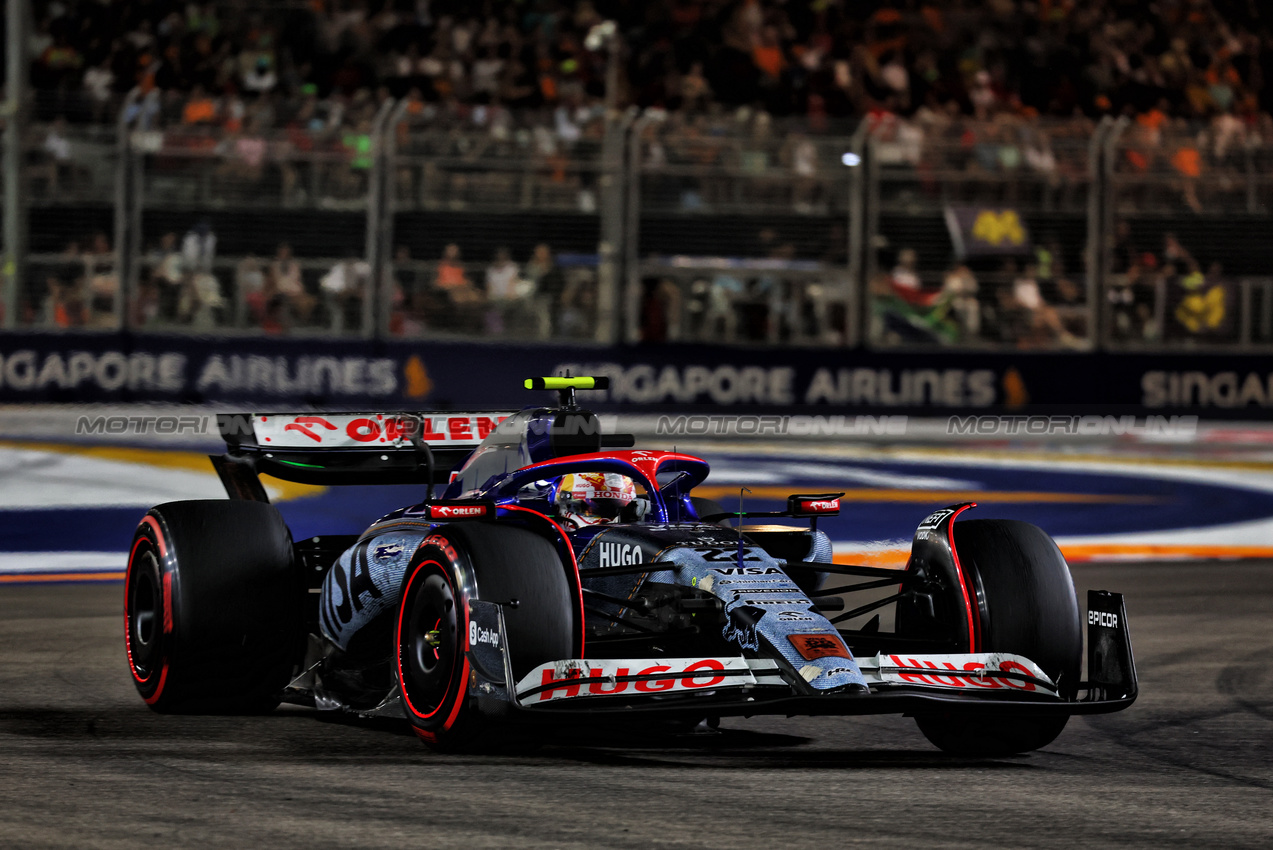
[(1244, 318), (1096, 234), (1252, 204), (632, 229), (610, 253), (855, 295), (375, 199), (1108, 160), (384, 282), (14, 266), (125, 263), (870, 233)]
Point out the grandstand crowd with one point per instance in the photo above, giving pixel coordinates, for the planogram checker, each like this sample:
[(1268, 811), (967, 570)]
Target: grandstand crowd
[(821, 59), (996, 87)]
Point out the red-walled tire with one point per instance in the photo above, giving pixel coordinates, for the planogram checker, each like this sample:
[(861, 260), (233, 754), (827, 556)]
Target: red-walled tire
[(212, 607), (456, 565), (1028, 607)]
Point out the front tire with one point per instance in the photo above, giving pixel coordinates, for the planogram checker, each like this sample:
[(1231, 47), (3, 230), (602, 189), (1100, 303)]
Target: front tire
[(458, 564), (1028, 607), (211, 607)]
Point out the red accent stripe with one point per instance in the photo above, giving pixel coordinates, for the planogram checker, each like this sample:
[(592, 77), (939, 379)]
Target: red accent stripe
[(974, 642), (159, 536), (163, 678), (460, 605), (128, 620), (572, 575), (166, 577)]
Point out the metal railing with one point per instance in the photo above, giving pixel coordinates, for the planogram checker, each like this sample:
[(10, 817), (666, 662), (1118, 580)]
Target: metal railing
[(396, 223)]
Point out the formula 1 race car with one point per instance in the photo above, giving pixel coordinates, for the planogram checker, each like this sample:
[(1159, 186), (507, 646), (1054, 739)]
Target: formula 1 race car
[(564, 575)]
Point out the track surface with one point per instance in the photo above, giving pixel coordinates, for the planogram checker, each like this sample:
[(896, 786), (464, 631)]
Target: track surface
[(84, 763)]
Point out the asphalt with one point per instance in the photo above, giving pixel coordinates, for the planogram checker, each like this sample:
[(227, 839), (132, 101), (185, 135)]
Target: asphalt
[(84, 763)]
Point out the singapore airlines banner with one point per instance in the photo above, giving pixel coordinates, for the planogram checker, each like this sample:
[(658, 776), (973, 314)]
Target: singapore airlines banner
[(353, 373)]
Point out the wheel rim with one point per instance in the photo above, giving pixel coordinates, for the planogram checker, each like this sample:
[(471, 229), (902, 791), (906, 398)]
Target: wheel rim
[(145, 614), (430, 645)]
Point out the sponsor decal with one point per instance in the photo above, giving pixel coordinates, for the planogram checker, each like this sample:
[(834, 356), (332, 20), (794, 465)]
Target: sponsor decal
[(819, 646), (905, 388), (936, 518), (28, 371), (457, 511), (793, 616), (353, 430), (777, 386), (618, 554), (452, 510), (1102, 618), (957, 671), (1206, 389), (608, 677), (644, 384), (823, 506), (742, 590), (746, 571), (479, 635)]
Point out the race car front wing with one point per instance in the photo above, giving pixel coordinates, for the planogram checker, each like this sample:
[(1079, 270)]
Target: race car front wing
[(738, 685)]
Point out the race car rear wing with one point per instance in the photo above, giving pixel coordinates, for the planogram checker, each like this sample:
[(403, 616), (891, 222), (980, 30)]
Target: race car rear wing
[(346, 448)]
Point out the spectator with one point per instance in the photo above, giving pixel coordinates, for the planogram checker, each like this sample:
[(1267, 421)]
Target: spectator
[(505, 290), (958, 301), (548, 283), (578, 310), (99, 83), (59, 167), (66, 304), (249, 288), (345, 286), (103, 281), (286, 275), (168, 274), (462, 297), (199, 248)]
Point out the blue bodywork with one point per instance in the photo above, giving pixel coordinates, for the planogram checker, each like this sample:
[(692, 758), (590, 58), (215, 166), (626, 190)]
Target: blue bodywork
[(766, 613)]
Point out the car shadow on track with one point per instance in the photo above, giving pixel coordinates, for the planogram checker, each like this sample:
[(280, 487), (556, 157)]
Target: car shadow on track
[(319, 737)]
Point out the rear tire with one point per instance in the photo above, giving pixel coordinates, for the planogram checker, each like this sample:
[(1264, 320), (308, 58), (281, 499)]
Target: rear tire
[(1028, 607), (460, 563), (212, 607)]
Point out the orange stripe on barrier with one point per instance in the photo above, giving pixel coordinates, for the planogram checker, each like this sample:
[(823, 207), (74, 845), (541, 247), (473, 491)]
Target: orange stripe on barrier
[(867, 494), (1084, 553), (48, 578), (1151, 552)]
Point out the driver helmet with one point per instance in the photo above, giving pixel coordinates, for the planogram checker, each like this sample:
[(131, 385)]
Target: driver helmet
[(589, 498)]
